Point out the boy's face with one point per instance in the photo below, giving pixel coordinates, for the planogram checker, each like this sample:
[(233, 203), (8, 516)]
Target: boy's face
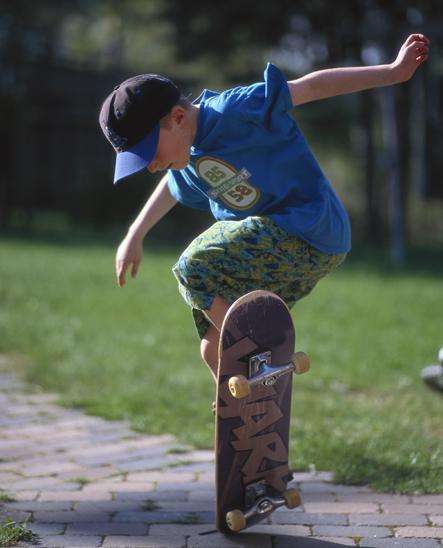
[(174, 143)]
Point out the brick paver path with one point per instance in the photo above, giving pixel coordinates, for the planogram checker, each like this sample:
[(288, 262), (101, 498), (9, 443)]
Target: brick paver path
[(79, 480)]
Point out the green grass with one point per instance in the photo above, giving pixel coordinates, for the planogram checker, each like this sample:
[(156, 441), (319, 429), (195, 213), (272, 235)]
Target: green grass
[(132, 353), (149, 505), (11, 533), (5, 497)]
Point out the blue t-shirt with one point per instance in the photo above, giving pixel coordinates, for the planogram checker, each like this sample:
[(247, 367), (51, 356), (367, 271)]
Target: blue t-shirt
[(250, 158)]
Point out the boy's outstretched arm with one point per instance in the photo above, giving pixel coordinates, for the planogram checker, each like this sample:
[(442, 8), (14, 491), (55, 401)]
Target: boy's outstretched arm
[(338, 81), (130, 250)]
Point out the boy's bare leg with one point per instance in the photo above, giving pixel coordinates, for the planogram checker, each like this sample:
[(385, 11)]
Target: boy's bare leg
[(209, 344), (209, 349), (217, 312)]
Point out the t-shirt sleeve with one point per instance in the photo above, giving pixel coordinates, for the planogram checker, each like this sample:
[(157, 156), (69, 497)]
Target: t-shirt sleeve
[(185, 192), (267, 103)]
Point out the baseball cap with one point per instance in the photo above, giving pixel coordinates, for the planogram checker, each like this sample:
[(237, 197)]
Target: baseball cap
[(130, 119)]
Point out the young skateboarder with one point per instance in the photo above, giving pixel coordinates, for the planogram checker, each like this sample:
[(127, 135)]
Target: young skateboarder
[(240, 154)]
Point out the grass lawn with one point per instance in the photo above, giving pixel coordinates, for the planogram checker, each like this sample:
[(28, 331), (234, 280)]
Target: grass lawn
[(132, 353)]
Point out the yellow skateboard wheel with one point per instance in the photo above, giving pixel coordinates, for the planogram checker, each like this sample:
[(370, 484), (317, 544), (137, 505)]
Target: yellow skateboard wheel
[(239, 386), (292, 498), (301, 362), (236, 520)]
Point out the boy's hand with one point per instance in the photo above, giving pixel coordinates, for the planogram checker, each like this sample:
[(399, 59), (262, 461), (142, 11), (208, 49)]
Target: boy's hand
[(129, 252), (412, 54)]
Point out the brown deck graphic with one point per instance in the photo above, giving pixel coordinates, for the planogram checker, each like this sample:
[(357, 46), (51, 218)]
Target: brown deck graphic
[(252, 432)]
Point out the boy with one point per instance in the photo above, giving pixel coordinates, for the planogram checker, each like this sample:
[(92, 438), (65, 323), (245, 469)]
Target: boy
[(241, 155)]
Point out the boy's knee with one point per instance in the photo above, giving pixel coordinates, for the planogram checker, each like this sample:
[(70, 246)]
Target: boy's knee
[(209, 350), (205, 350), (209, 347)]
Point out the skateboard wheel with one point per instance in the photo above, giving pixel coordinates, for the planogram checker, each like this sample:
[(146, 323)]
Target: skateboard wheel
[(239, 386), (301, 362), (236, 520), (292, 498)]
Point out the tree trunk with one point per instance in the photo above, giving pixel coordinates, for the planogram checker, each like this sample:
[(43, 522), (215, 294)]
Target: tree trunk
[(393, 177)]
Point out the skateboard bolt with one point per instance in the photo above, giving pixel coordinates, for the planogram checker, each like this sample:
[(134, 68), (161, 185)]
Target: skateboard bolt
[(264, 506), (270, 381)]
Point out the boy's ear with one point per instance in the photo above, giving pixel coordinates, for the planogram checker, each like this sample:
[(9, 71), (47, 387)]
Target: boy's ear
[(178, 114)]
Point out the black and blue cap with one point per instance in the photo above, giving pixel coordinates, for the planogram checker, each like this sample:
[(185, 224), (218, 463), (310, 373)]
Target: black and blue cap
[(130, 119)]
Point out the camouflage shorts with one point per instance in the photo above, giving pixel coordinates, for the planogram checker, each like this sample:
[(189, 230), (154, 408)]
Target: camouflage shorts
[(232, 258)]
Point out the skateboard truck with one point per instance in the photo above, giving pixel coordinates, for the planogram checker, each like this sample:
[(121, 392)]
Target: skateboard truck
[(259, 503), (261, 371)]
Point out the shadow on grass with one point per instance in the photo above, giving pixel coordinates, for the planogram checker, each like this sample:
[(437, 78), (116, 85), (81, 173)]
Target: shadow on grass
[(419, 261), (173, 232)]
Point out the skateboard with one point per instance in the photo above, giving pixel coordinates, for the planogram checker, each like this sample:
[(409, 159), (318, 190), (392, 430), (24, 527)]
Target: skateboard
[(253, 407)]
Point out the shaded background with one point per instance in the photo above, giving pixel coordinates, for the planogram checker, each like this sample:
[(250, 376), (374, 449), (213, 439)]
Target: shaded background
[(381, 149)]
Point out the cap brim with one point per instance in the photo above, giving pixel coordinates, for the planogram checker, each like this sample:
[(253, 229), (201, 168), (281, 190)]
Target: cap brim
[(137, 157)]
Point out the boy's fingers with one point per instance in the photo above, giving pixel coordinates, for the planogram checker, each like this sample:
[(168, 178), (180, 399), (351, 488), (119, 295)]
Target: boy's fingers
[(121, 271), (417, 38), (418, 48), (417, 44), (421, 45), (420, 51), (411, 39), (134, 269)]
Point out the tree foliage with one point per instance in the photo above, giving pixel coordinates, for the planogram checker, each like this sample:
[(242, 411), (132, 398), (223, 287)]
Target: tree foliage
[(57, 60)]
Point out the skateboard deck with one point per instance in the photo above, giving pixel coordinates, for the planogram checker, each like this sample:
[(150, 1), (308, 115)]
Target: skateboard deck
[(253, 408)]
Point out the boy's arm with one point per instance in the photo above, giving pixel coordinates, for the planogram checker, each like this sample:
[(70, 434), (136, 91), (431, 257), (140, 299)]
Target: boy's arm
[(131, 249), (331, 82)]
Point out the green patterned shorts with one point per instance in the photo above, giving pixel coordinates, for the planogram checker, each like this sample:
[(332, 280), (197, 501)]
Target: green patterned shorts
[(232, 258)]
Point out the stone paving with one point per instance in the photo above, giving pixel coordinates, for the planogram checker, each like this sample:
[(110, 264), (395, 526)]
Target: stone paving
[(78, 480)]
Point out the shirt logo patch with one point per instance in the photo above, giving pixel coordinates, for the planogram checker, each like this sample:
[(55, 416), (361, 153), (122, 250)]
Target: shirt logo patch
[(231, 186)]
